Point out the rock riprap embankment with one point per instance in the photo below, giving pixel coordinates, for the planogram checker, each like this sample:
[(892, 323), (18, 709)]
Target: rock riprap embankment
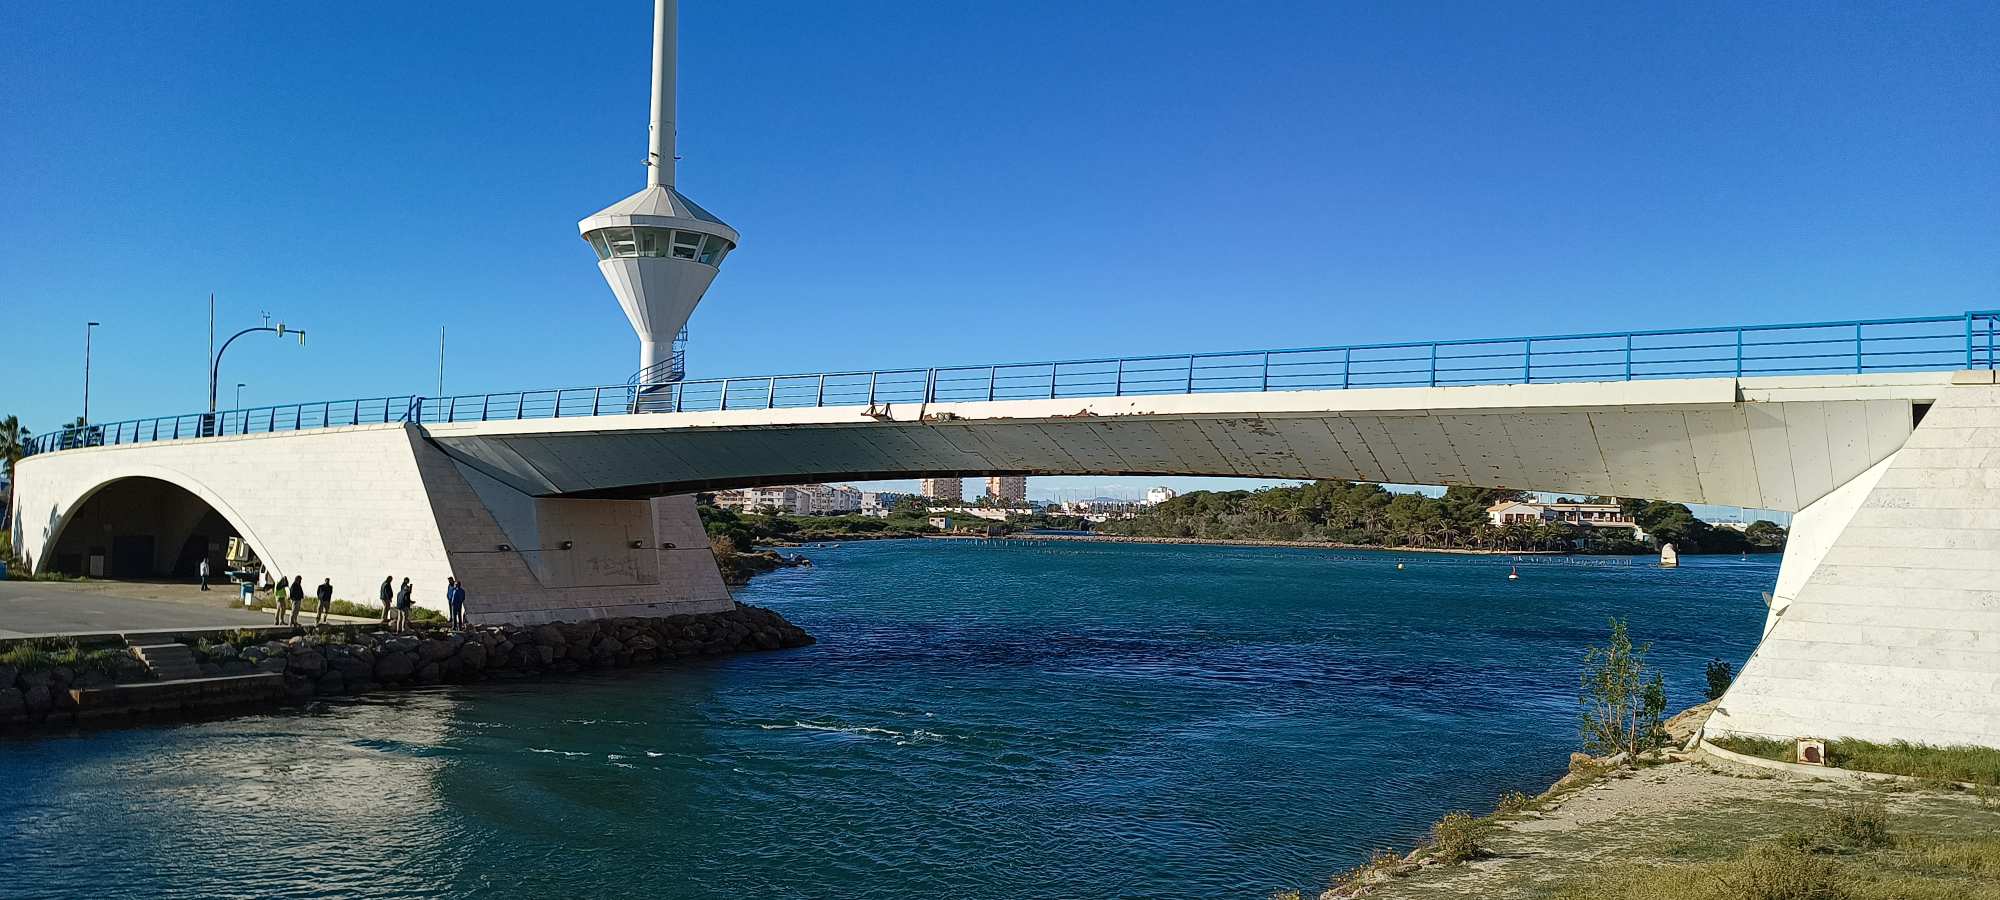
[(337, 662)]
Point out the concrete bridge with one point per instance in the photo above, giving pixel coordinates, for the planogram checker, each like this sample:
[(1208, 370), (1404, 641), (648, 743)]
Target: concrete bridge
[(1885, 624)]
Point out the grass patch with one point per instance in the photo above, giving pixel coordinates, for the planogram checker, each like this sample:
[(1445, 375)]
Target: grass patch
[(1977, 765), (1846, 852), (48, 653)]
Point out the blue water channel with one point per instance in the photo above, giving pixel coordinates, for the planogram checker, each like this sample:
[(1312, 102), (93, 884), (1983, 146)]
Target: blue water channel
[(979, 720)]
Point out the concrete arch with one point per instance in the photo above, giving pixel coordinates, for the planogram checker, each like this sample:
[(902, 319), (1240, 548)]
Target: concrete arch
[(130, 472)]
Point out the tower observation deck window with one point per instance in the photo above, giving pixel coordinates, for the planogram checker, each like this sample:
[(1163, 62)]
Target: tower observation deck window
[(624, 243)]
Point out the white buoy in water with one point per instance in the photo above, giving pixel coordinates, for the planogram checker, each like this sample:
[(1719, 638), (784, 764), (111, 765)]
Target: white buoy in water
[(1513, 573), (1399, 567)]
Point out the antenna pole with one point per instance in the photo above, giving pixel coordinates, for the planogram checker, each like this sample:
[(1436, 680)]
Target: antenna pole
[(666, 49)]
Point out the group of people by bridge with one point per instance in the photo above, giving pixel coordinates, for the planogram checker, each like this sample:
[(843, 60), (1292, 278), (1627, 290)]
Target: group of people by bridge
[(397, 600)]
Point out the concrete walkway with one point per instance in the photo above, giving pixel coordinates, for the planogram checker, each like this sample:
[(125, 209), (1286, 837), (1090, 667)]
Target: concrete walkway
[(29, 608)]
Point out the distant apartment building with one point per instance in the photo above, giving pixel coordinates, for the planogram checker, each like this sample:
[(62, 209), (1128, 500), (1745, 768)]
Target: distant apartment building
[(952, 489), (1594, 515), (1158, 495), (793, 500), (879, 503), (1007, 490), (1104, 509)]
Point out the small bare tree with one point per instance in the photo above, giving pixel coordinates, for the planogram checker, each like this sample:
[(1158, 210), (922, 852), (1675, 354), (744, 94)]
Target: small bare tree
[(1622, 701)]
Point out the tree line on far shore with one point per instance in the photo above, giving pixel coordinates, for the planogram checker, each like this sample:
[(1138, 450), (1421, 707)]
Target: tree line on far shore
[(1368, 514)]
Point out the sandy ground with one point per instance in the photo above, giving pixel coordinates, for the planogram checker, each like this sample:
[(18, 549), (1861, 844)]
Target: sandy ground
[(1678, 812)]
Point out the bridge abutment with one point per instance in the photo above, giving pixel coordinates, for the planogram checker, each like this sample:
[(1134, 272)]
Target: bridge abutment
[(1885, 624), (363, 503)]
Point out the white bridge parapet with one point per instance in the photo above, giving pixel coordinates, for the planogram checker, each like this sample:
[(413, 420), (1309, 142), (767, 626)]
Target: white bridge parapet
[(1886, 624)]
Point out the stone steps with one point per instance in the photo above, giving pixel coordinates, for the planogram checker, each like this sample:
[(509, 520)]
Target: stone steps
[(169, 662)]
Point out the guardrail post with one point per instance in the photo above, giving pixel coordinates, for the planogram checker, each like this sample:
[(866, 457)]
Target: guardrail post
[(1968, 343), (1434, 365), (1053, 367), (1739, 353), (1346, 367), (1528, 361), (326, 414), (724, 403), (558, 414), (771, 392), (1118, 389), (930, 386), (819, 399), (871, 385), (680, 394), (485, 406), (1628, 357), (992, 376), (596, 396), (271, 425), (1190, 374), (1857, 348), (1266, 384)]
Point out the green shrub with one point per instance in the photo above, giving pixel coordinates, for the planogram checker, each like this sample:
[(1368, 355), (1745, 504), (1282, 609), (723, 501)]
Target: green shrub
[(1622, 700), (49, 653), (1719, 674), (1513, 802), (1455, 838)]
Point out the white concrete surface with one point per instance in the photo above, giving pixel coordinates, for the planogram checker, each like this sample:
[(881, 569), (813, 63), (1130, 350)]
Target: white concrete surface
[(357, 504), (1889, 622), (1694, 440)]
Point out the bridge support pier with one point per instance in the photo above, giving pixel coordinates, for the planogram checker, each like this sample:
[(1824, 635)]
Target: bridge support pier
[(1885, 624)]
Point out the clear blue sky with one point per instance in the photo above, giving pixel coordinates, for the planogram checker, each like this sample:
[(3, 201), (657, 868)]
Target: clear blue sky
[(943, 183)]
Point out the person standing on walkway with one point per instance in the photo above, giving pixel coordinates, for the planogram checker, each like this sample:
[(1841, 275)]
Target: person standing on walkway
[(325, 595), (454, 599), (278, 600), (403, 604), (298, 597), (204, 573), (388, 596)]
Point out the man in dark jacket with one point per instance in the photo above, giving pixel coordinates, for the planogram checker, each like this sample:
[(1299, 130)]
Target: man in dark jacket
[(388, 595), (403, 603), (325, 595)]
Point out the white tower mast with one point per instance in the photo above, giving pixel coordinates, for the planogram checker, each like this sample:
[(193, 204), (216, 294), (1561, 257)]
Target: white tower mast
[(658, 250)]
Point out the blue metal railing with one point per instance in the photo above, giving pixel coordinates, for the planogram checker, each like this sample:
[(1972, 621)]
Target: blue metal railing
[(1929, 343)]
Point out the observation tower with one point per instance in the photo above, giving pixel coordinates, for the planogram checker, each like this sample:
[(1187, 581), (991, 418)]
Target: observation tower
[(656, 248)]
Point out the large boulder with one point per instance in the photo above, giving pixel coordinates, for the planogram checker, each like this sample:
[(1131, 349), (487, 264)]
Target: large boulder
[(332, 683), (395, 666), (37, 699), (550, 636), (7, 676), (305, 663), (271, 664), (11, 703), (429, 673), (33, 679), (352, 668), (473, 655)]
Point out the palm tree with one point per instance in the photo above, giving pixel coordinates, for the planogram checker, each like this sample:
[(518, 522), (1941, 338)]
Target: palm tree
[(13, 442)]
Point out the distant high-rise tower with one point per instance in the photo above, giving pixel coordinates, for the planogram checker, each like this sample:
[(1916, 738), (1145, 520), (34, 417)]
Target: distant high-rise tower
[(1007, 490), (952, 489), (656, 248)]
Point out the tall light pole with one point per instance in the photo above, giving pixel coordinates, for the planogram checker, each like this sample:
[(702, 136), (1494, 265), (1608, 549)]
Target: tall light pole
[(208, 422), (86, 370)]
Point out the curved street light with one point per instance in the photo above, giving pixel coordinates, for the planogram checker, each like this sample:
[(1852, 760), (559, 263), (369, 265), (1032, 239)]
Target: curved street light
[(215, 365)]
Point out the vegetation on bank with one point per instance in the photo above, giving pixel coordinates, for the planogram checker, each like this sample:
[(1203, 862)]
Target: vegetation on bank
[(1368, 514), (1848, 852), (33, 654), (1972, 765)]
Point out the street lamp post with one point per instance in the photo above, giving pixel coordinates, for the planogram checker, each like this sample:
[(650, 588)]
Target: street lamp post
[(215, 367), (239, 395), (87, 326)]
